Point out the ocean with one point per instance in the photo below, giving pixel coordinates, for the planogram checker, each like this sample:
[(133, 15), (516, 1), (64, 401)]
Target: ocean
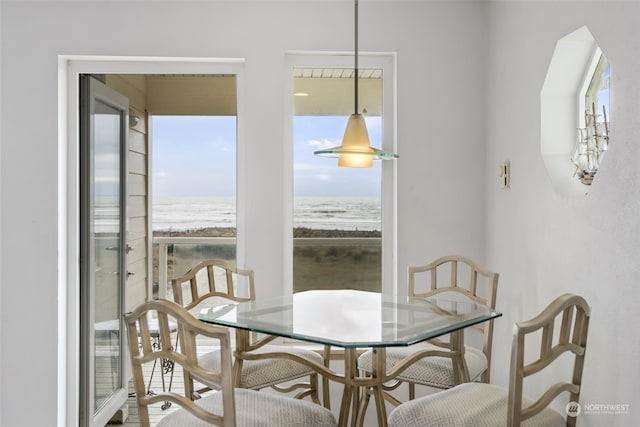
[(320, 213)]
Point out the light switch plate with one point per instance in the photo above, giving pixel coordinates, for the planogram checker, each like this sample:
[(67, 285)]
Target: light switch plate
[(504, 175)]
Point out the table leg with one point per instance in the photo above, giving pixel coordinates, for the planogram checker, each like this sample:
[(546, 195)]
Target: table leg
[(355, 405), (460, 368), (325, 380), (378, 373), (362, 408), (350, 366), (379, 365), (242, 343)]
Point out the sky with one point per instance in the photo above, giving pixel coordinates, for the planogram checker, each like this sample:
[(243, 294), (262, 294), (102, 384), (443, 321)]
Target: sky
[(196, 156)]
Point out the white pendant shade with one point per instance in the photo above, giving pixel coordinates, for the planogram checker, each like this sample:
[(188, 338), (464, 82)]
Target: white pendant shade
[(355, 144), (356, 150)]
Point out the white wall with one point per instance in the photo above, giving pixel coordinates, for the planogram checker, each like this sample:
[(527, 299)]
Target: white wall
[(440, 61), (544, 244), (468, 73), (1, 323)]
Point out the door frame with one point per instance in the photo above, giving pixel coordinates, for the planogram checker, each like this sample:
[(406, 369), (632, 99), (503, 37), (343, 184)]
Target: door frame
[(70, 67)]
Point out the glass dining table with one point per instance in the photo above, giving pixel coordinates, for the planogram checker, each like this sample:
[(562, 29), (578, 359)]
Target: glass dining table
[(351, 320)]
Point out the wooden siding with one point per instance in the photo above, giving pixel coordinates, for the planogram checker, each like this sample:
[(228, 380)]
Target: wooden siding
[(137, 141), (137, 206), (137, 185), (134, 87), (137, 163)]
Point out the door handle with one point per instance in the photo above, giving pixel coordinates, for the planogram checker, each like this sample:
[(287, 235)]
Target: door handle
[(127, 248)]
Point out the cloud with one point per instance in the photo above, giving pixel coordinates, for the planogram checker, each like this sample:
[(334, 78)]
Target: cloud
[(303, 166), (322, 144), (323, 166)]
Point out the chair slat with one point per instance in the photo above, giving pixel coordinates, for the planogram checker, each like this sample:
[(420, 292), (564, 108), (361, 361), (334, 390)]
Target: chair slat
[(224, 280), (463, 405)]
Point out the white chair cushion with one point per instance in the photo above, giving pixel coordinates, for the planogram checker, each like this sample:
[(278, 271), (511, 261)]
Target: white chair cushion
[(257, 374), (430, 371), (466, 405), (257, 409)]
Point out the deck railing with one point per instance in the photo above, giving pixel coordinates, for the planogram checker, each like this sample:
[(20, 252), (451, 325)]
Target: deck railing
[(183, 258), (355, 261)]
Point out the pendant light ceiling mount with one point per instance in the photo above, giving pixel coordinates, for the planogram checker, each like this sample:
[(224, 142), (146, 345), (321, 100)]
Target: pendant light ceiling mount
[(356, 150)]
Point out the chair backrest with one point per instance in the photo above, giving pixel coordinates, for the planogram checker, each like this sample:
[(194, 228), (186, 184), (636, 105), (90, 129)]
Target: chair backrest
[(461, 275), (210, 279), (144, 353), (571, 313)]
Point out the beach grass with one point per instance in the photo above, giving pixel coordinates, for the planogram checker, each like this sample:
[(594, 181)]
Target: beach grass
[(331, 267)]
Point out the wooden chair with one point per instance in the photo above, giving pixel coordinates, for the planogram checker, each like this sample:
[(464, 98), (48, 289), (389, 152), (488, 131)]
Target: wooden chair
[(459, 276), (229, 406), (214, 282), (481, 404), (110, 329)]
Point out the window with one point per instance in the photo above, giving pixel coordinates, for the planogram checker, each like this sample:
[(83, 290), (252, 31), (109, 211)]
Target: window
[(336, 211), (194, 191), (575, 90), (598, 90), (593, 137), (342, 218)]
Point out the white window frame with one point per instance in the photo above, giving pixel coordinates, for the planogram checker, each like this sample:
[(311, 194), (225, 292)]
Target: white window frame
[(386, 61), (592, 87), (589, 92)]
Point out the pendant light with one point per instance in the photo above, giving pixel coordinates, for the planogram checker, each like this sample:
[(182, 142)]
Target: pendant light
[(356, 150)]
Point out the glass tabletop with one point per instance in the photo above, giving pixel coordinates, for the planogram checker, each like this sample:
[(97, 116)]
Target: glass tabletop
[(349, 318)]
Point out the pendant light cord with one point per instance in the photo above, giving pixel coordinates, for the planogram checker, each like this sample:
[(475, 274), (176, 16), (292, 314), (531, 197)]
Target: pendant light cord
[(356, 57)]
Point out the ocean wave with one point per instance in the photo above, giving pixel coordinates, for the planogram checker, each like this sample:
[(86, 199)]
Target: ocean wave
[(310, 212)]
